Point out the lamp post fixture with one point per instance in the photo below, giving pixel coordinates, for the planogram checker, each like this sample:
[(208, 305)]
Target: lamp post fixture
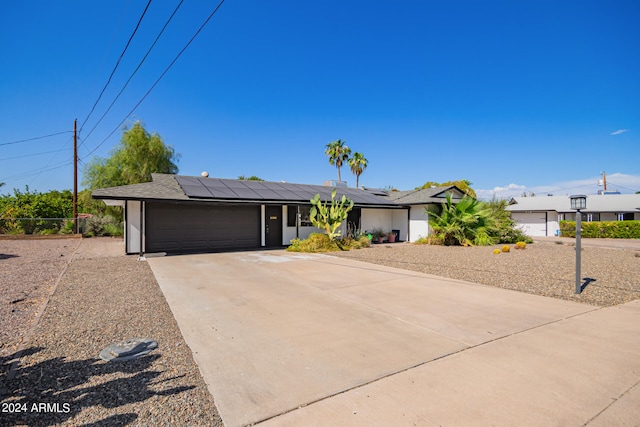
[(578, 202)]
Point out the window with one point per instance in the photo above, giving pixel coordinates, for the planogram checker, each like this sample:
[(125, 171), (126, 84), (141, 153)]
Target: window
[(593, 217), (304, 210), (625, 217)]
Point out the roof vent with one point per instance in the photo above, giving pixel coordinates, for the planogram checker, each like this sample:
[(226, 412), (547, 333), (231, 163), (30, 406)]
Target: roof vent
[(334, 183), (205, 174)]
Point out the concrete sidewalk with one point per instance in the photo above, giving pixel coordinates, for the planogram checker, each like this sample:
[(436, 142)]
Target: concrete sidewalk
[(285, 339)]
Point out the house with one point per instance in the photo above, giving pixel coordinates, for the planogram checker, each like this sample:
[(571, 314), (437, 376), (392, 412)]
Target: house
[(175, 213), (418, 201), (541, 216)]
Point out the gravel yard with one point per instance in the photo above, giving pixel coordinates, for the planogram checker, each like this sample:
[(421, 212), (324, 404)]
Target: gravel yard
[(546, 269), (102, 298)]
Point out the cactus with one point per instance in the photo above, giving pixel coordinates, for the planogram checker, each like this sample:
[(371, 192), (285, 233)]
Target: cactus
[(328, 217), (506, 248), (496, 251), (520, 245)]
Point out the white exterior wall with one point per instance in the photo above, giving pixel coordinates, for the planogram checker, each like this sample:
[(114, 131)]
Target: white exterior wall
[(400, 222), (418, 223), (376, 218), (387, 219), (289, 233), (132, 227), (553, 225)]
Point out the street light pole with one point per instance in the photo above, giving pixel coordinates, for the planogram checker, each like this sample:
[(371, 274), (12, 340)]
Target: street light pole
[(577, 203), (578, 251)]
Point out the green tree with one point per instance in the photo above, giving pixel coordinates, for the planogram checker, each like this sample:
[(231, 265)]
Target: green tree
[(328, 217), (358, 164), (462, 184), (138, 155), (338, 153), (251, 178), (31, 212), (467, 222)]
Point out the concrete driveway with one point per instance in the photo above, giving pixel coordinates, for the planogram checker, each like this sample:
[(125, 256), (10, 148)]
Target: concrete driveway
[(288, 340)]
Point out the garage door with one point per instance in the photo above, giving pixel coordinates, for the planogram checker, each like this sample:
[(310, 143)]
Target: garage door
[(179, 227), (531, 223)]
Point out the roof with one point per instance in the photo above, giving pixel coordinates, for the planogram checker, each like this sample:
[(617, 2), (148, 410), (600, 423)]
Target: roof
[(617, 203), (162, 187), (424, 196), (191, 188)]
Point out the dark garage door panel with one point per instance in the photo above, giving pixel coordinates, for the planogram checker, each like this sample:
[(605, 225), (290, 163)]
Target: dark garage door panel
[(173, 227)]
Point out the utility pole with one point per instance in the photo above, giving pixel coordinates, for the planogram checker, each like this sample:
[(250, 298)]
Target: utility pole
[(75, 176)]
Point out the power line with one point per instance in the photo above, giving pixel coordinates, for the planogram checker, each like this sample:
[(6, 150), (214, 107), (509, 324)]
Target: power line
[(35, 138), (35, 172), (116, 66), (34, 154), (159, 78), (136, 70), (44, 169)]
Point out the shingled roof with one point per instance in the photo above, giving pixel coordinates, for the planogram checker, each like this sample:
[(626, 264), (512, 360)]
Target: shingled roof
[(189, 188), (422, 196), (162, 187)]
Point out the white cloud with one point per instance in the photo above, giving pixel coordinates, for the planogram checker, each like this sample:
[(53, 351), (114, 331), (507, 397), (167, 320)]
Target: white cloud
[(620, 131)]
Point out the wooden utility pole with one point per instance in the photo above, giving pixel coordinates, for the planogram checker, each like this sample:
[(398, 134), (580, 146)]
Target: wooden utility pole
[(75, 176)]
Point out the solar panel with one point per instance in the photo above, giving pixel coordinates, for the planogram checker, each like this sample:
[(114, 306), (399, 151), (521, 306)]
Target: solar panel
[(195, 191), (222, 193), (231, 189), (246, 193)]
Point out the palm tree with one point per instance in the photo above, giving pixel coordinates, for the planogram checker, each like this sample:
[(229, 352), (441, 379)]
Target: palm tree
[(358, 164), (338, 153), (468, 222)]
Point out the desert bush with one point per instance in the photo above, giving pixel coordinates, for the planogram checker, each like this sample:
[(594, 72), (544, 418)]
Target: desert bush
[(507, 231), (320, 242), (98, 225)]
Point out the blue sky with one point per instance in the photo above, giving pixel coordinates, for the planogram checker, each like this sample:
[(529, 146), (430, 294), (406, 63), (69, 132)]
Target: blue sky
[(515, 96)]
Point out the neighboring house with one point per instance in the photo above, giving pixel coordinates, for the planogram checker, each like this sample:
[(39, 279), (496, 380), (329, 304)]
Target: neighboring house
[(541, 215), (175, 213), (418, 201)]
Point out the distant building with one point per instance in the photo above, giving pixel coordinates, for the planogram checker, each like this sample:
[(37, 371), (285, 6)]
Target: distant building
[(541, 216)]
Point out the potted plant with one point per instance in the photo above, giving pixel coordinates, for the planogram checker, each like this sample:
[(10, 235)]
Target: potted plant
[(379, 234), (392, 237)]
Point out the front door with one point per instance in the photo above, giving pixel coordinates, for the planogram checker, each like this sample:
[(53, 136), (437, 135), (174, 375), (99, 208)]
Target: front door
[(273, 226)]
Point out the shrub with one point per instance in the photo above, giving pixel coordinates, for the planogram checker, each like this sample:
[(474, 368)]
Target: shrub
[(466, 222), (507, 230), (506, 248), (496, 251), (603, 229), (98, 225), (520, 245), (320, 242)]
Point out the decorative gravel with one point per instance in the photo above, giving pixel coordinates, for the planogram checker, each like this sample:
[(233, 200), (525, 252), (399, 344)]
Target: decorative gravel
[(28, 272), (546, 269), (103, 297)]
